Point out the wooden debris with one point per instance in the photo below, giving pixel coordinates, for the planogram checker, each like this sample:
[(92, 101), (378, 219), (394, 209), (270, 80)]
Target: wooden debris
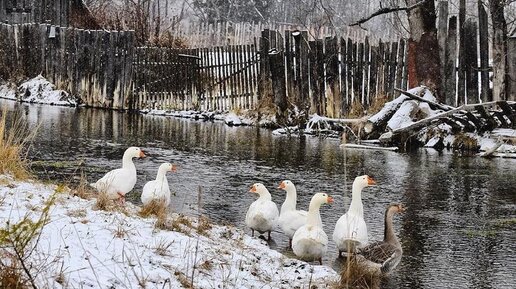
[(357, 146)]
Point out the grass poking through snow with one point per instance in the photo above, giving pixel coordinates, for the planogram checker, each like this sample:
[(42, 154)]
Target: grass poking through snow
[(14, 141)]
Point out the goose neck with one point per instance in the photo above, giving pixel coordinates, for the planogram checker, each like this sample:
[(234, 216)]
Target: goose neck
[(356, 206), (127, 162), (265, 195), (389, 236), (314, 217), (290, 200)]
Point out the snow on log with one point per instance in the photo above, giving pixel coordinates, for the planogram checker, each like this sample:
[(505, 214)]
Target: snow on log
[(378, 121), (403, 116)]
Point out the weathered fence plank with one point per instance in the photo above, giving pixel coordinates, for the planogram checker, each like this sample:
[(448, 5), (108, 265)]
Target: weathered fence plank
[(450, 71), (471, 61), (484, 53)]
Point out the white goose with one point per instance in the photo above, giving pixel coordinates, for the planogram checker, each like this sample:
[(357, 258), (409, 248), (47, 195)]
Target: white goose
[(290, 219), (262, 215), (117, 183), (310, 242), (158, 189), (351, 230)]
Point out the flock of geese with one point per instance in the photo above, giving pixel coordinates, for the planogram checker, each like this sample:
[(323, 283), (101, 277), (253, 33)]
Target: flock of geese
[(304, 229)]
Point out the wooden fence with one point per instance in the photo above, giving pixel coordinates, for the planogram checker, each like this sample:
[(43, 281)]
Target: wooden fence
[(93, 65), (323, 76), (35, 11), (166, 78), (464, 52)]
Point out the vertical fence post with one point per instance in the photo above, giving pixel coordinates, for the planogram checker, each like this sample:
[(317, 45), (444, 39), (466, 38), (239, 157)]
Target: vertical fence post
[(450, 70), (442, 31), (471, 61), (484, 53)]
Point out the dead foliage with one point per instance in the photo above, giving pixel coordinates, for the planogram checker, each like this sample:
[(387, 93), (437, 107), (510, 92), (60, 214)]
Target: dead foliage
[(154, 208), (14, 142), (357, 275)]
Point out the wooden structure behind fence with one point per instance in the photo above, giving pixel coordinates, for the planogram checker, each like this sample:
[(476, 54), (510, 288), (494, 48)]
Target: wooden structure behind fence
[(35, 11), (93, 65), (200, 34)]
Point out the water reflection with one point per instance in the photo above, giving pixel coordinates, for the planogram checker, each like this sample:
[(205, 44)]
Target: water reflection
[(447, 233)]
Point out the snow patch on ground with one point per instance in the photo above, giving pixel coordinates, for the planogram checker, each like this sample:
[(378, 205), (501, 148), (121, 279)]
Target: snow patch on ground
[(38, 90), (229, 118), (99, 249), (232, 119)]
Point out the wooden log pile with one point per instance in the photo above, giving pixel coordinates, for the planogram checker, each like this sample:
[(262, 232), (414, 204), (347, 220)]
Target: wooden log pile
[(415, 115)]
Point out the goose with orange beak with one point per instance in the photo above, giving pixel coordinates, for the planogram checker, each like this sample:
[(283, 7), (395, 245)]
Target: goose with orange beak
[(262, 215), (117, 183), (158, 189), (350, 230), (310, 242)]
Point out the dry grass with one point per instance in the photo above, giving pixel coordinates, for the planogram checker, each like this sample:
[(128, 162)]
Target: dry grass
[(378, 103), (206, 265), (103, 202), (183, 279), (178, 223), (464, 142), (11, 275), (161, 247), (203, 226), (357, 275), (154, 208), (14, 141), (84, 190), (357, 110), (120, 232)]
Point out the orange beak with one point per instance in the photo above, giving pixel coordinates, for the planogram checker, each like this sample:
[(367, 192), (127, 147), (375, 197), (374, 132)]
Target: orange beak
[(330, 199), (173, 168), (142, 155), (370, 181), (253, 189), (281, 186)]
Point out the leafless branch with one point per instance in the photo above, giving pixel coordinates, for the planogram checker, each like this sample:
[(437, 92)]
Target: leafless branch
[(386, 10)]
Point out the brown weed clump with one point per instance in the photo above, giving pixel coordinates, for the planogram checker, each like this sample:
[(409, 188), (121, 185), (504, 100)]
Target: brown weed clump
[(14, 140), (356, 274)]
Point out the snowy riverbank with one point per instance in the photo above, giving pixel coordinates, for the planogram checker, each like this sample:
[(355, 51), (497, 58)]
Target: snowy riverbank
[(37, 90), (83, 247)]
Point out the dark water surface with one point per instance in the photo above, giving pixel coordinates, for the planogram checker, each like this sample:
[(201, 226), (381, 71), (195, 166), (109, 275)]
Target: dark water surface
[(450, 234)]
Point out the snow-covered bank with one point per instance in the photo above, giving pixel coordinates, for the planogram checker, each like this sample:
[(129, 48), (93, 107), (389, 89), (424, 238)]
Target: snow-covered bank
[(83, 247), (37, 90), (229, 118)]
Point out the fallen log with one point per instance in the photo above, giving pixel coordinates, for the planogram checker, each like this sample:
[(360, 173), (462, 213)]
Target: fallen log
[(403, 115), (357, 146), (491, 151), (377, 122), (387, 137)]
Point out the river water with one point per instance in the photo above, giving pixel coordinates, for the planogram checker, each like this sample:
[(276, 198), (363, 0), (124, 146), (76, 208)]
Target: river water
[(451, 233)]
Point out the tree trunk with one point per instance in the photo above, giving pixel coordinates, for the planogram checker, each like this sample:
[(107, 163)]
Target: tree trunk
[(496, 8), (424, 60)]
